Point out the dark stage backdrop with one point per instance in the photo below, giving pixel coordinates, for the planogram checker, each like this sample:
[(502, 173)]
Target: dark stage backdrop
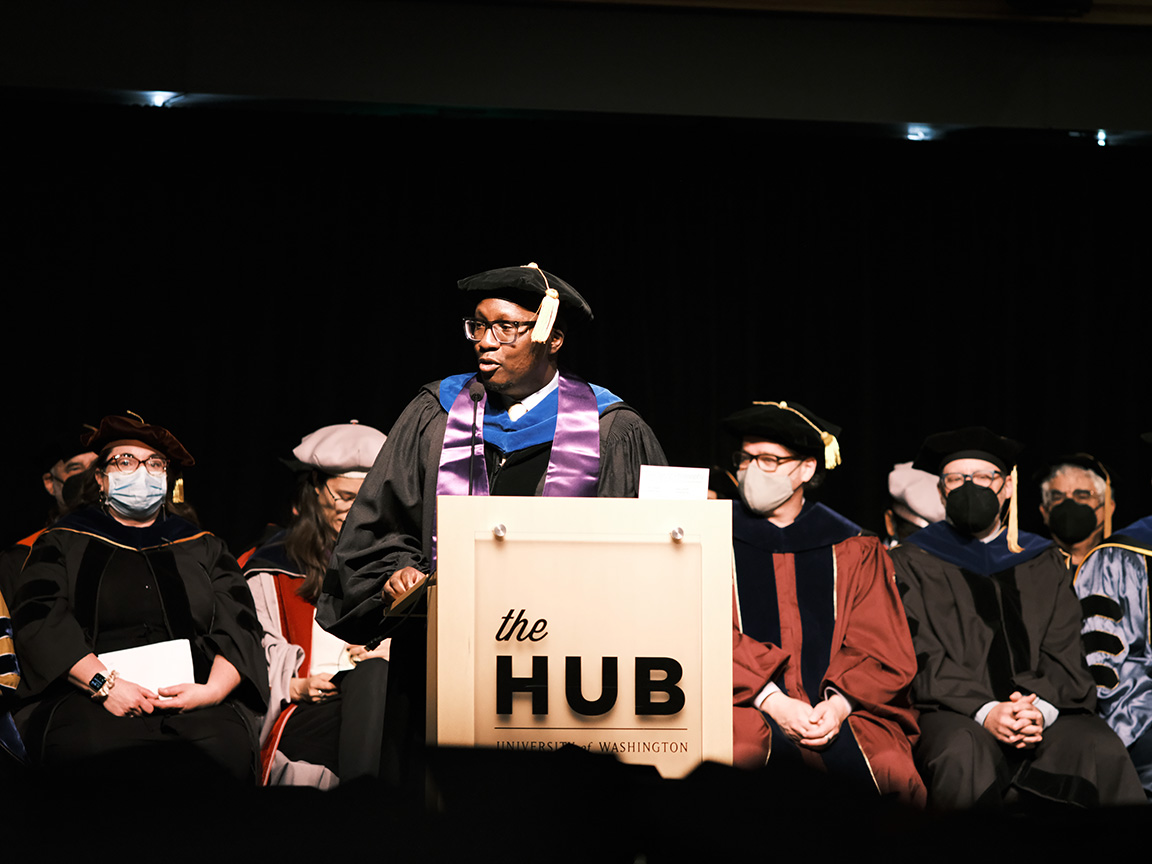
[(245, 276)]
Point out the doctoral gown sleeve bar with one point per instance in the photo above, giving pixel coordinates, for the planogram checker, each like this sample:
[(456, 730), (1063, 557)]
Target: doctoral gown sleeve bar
[(1112, 584)]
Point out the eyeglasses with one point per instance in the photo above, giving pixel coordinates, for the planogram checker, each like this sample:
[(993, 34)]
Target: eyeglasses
[(126, 463), (954, 480), (1080, 496), (343, 501), (766, 461), (504, 332)]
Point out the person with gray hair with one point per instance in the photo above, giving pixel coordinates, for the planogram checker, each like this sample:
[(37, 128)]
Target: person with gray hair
[(1076, 504)]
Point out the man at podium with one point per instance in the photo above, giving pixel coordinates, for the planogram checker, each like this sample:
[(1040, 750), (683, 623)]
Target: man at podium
[(517, 426), (822, 657)]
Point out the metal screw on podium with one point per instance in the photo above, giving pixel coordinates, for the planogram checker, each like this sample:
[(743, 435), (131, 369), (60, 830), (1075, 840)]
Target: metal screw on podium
[(499, 531), (677, 535)]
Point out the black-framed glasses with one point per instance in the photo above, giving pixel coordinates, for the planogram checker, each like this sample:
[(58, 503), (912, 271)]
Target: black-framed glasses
[(343, 501), (766, 461), (1080, 496), (954, 479), (126, 463), (504, 332)]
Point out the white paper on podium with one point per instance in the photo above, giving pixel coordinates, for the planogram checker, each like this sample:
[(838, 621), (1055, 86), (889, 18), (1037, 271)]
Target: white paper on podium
[(670, 483), (160, 664)]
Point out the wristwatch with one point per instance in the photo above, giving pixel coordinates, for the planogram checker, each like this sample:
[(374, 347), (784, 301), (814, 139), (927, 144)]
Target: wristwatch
[(102, 683)]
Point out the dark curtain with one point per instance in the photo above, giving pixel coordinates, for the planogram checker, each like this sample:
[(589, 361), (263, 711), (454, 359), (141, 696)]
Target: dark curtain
[(245, 276)]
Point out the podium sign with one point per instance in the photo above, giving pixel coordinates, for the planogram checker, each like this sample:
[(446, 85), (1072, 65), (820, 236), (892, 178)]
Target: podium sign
[(600, 622)]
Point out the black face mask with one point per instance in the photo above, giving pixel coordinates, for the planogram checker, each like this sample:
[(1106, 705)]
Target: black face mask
[(972, 509), (1072, 521)]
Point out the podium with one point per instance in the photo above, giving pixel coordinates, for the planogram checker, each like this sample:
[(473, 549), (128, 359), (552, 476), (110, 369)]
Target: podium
[(599, 622)]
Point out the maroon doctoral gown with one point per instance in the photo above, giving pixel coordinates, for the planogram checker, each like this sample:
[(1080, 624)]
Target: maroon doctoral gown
[(816, 606)]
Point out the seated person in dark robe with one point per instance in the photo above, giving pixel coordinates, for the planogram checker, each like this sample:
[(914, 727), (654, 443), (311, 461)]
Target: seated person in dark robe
[(125, 573), (317, 730), (540, 432), (64, 461), (822, 660), (1006, 700)]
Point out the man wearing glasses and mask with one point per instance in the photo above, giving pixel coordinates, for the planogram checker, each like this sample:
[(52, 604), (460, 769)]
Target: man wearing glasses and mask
[(822, 660), (541, 432), (1112, 584), (1076, 504), (1004, 694)]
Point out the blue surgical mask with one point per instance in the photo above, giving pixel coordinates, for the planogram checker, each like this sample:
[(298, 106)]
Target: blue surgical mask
[(137, 495)]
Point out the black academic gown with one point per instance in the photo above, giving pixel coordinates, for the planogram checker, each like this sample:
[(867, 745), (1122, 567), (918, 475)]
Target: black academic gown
[(92, 585), (987, 622), (394, 518), (392, 523)]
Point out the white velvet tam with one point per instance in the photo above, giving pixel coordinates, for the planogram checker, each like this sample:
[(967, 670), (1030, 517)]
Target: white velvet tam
[(343, 450), (917, 490)]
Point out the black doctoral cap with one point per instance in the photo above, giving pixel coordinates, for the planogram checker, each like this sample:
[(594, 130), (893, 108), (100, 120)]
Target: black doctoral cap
[(61, 448), (976, 442), (971, 442), (789, 424), (528, 286)]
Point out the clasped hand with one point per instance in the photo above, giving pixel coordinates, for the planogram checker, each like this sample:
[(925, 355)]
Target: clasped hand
[(128, 699), (811, 726), (1017, 722)]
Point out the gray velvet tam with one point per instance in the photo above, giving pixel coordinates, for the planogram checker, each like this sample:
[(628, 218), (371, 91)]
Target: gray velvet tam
[(916, 490), (345, 450), (525, 286)]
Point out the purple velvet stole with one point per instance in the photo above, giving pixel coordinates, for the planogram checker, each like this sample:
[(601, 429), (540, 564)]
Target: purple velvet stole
[(573, 465)]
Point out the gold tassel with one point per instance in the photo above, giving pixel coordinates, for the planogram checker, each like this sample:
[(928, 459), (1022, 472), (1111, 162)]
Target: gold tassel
[(831, 450), (831, 445), (549, 306), (1107, 503), (178, 491), (1013, 521), (546, 316)]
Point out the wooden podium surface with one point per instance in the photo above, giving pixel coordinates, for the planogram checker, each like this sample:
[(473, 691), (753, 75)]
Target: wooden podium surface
[(599, 622)]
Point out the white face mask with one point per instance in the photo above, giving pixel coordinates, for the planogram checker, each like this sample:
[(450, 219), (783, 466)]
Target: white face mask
[(137, 495), (764, 491)]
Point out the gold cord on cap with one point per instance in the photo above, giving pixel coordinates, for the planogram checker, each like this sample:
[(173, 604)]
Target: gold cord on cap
[(178, 491), (831, 445)]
